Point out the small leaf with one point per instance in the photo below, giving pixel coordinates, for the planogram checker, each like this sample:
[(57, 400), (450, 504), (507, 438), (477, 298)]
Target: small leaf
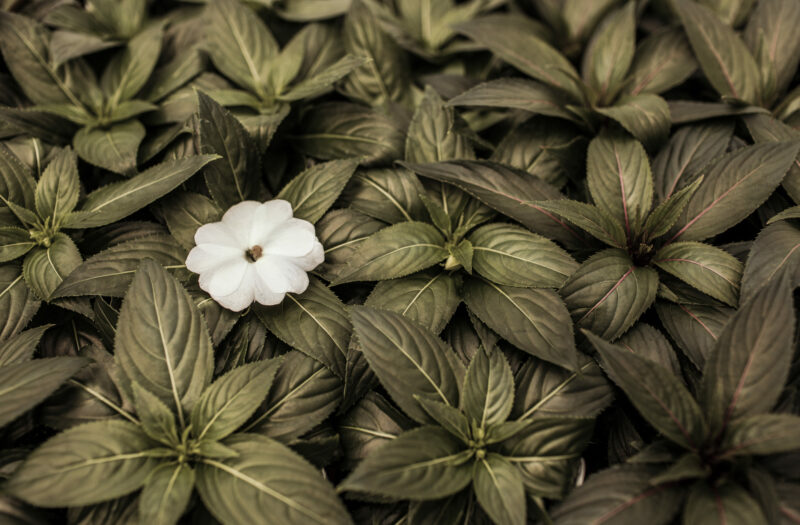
[(450, 418), (488, 388), (432, 134), (157, 419), (705, 267), (408, 360), (663, 60), (661, 398), (45, 268), (17, 185), (389, 194), (644, 116), (515, 93), (775, 46), (17, 301), (20, 347), (28, 383), (184, 212), (534, 320), (267, 479), (166, 494), (316, 189), (113, 148), (423, 464), (695, 328), (128, 71), (230, 400), (395, 251), (59, 187), (666, 214), (324, 80), (610, 52), (762, 434), (775, 250), (116, 201), (462, 253), (14, 242), (499, 490), (724, 58), (593, 220), (609, 292), (84, 465)]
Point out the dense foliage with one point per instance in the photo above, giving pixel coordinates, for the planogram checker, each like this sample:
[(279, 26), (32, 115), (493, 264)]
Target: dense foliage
[(561, 249)]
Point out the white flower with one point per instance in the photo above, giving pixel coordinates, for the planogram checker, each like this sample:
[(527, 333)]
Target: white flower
[(257, 252)]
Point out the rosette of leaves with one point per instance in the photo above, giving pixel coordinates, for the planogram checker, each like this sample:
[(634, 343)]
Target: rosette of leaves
[(183, 434), (612, 288), (34, 213), (469, 439), (618, 80), (711, 463)]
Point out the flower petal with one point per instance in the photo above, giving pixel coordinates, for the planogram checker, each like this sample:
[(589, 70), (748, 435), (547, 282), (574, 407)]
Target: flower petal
[(205, 257), (266, 296), (312, 259), (243, 296), (225, 279), (281, 275), (294, 239), (267, 218), (218, 234), (240, 220)]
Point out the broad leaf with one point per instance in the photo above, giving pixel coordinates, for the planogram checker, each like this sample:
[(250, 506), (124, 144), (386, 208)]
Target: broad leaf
[(408, 360), (422, 464), (316, 189), (499, 490), (127, 73), (59, 187), (84, 465), (645, 116), (389, 194), (395, 251), (660, 397), (775, 250), (609, 292), (16, 181), (162, 341), (728, 504), (662, 60), (775, 46), (158, 420), (750, 362), (597, 222), (17, 301), (695, 328), (20, 347), (533, 320), (709, 269), (113, 148), (432, 134), (515, 93), (610, 52), (184, 212), (512, 256), (762, 434), (488, 388), (166, 494), (649, 343), (14, 242), (267, 479), (44, 268), (116, 201)]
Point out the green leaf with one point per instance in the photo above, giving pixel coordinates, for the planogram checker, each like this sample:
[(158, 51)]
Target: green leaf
[(230, 400), (17, 185), (749, 365), (303, 394), (547, 390), (113, 148), (389, 194), (695, 328), (765, 128), (462, 255), (338, 130), (705, 267), (127, 73), (727, 504), (515, 93), (408, 359), (314, 322), (162, 341), (20, 347), (385, 77), (688, 467), (499, 490), (659, 396), (649, 343), (725, 60), (267, 479), (45, 268), (240, 45), (84, 465), (450, 418), (396, 251), (17, 301), (184, 212), (59, 186), (609, 292), (621, 494), (118, 200), (157, 419), (762, 434), (324, 80), (663, 60), (687, 111), (369, 424), (524, 50), (316, 189), (666, 214), (619, 178), (644, 116), (775, 45), (166, 494), (110, 272), (733, 186), (507, 190), (610, 52), (488, 388), (430, 298), (432, 134), (230, 178), (593, 220), (534, 320), (775, 250), (28, 383), (422, 464), (14, 242)]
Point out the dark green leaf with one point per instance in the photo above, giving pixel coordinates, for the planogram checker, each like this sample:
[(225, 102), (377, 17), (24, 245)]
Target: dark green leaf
[(316, 189), (649, 343), (157, 419), (774, 251), (762, 434), (610, 52), (728, 504), (515, 93), (666, 214), (14, 242), (695, 328), (389, 194), (644, 116), (662, 60), (20, 347), (113, 148), (775, 46), (488, 388), (45, 268), (432, 135), (709, 269), (593, 220), (17, 302), (59, 187), (499, 490), (129, 70), (166, 494)]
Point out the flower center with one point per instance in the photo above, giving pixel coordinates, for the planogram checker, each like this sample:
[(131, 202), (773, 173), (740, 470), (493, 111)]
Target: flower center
[(254, 253)]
